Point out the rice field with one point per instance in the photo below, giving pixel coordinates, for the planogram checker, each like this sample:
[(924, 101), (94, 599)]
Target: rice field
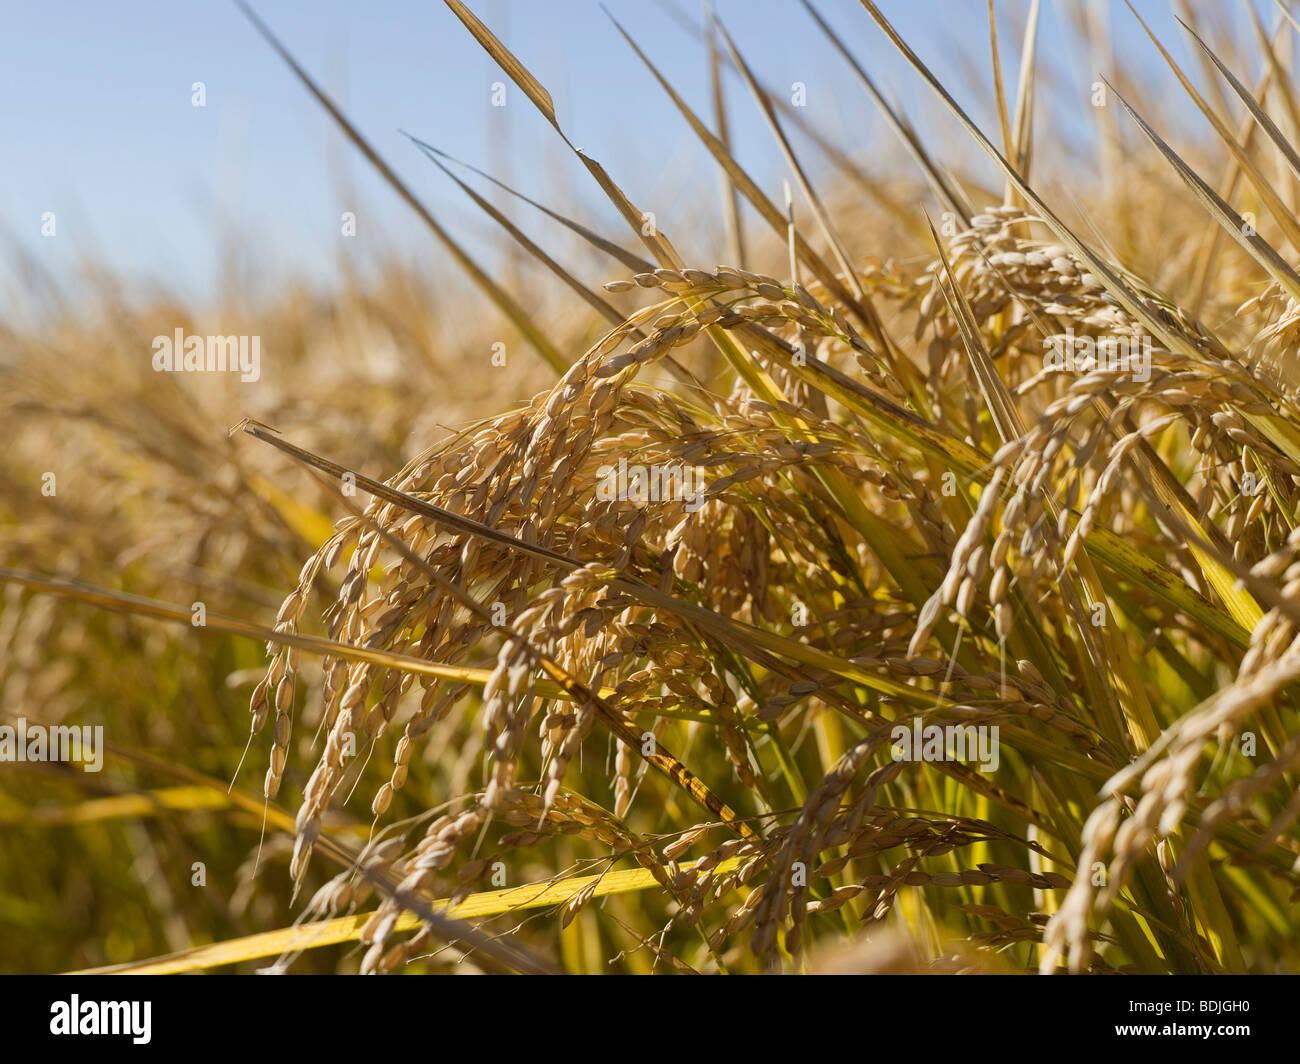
[(913, 586)]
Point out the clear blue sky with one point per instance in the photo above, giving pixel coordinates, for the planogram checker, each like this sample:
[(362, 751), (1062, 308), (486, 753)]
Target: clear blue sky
[(98, 126)]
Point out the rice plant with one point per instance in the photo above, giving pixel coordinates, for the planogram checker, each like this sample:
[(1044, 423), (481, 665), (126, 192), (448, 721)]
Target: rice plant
[(924, 606)]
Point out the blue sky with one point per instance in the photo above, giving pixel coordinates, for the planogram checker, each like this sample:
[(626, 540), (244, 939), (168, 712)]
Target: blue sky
[(99, 127)]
